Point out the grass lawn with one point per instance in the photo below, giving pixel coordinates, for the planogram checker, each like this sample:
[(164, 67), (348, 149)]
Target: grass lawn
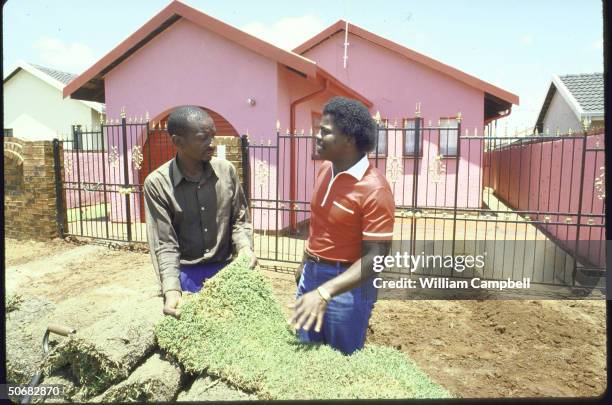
[(89, 212)]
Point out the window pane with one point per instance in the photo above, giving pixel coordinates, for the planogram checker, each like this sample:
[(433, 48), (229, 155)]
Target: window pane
[(410, 138), (448, 137)]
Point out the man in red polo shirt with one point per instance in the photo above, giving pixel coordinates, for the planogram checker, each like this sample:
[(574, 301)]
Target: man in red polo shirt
[(351, 223)]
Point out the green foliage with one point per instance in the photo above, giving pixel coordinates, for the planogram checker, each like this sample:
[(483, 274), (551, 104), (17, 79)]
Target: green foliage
[(235, 329)]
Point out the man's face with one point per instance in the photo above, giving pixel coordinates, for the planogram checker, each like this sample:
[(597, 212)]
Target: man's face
[(198, 142), (330, 143)]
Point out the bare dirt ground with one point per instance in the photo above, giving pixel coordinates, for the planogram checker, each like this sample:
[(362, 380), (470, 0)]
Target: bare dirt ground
[(475, 349)]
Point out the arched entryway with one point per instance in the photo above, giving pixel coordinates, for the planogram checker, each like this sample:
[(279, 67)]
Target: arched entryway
[(158, 147)]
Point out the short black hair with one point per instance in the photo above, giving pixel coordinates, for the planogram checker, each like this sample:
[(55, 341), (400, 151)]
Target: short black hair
[(353, 119), (180, 119)]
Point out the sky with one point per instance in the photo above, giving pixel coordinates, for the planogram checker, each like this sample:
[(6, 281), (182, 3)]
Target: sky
[(516, 45)]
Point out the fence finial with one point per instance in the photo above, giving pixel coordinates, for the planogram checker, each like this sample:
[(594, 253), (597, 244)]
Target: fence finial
[(287, 132), (122, 113), (310, 131), (586, 123), (417, 112), (278, 125), (302, 132), (429, 123), (558, 132), (146, 115), (101, 119), (459, 116), (475, 131), (377, 117), (547, 131), (129, 120), (570, 131)]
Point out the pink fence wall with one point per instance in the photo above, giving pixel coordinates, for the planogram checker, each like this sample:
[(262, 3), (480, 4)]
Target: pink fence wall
[(84, 167), (547, 180)]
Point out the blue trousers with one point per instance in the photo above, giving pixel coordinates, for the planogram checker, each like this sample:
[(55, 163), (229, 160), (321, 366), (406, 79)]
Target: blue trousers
[(192, 277), (346, 319)]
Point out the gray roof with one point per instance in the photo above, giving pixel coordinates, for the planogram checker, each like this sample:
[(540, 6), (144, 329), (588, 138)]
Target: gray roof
[(63, 77), (587, 89)]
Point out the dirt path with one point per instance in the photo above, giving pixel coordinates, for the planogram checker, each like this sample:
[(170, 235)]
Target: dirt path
[(473, 348)]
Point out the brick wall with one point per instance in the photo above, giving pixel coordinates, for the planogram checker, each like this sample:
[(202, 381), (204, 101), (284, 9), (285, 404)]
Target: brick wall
[(233, 152), (30, 200)]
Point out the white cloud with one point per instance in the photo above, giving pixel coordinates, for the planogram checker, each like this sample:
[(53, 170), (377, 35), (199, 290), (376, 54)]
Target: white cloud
[(73, 57), (526, 40), (288, 32)]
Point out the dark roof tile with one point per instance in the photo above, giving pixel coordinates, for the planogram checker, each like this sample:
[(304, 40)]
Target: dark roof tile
[(587, 89)]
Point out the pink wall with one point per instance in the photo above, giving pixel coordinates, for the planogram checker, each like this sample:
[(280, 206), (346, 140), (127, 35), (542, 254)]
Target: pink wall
[(84, 167), (545, 177), (187, 64)]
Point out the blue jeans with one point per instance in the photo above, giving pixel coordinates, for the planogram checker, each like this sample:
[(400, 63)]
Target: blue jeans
[(346, 319), (192, 277)]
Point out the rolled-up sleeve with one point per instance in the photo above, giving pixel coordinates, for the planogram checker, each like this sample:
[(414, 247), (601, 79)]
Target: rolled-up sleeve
[(163, 241), (242, 229)]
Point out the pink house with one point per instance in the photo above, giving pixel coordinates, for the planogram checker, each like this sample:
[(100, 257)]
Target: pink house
[(183, 56)]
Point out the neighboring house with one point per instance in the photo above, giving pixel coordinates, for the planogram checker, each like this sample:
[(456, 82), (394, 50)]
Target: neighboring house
[(570, 100), (183, 56), (35, 109)]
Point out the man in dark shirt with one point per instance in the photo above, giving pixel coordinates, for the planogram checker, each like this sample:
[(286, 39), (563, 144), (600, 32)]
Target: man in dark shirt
[(196, 211)]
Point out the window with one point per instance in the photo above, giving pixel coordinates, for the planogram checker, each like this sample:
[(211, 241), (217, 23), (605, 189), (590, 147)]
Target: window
[(410, 139), (8, 132), (448, 137), (315, 121), (382, 135)]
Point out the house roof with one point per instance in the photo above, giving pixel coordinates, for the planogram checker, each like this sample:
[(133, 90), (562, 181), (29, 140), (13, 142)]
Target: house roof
[(63, 77), (584, 93), (494, 94), (53, 77), (90, 84)]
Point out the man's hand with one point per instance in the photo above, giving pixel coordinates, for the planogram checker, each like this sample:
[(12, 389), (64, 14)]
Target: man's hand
[(308, 309), (172, 299), (252, 258)]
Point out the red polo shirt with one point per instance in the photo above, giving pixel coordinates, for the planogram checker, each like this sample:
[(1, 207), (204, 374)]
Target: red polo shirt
[(355, 205)]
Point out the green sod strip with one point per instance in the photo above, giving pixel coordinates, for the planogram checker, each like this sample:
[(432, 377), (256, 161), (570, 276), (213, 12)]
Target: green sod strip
[(235, 329)]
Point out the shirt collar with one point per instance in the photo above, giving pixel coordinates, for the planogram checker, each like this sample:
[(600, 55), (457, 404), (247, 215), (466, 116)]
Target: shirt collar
[(358, 169), (177, 175)]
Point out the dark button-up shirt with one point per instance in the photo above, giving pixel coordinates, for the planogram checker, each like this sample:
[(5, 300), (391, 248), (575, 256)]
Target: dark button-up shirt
[(191, 222)]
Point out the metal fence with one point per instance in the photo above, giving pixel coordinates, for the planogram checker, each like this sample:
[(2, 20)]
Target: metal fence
[(450, 190)]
